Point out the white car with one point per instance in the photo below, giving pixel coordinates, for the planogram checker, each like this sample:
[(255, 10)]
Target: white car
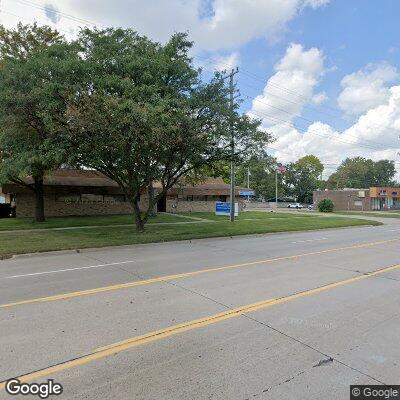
[(294, 205)]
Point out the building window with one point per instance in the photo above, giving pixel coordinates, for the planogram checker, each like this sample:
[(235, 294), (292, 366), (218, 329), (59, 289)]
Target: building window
[(116, 198), (204, 198), (92, 198), (200, 198), (68, 198), (195, 198)]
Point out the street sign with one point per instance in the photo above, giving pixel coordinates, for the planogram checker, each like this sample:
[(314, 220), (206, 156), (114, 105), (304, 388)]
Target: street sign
[(222, 208), (247, 192)]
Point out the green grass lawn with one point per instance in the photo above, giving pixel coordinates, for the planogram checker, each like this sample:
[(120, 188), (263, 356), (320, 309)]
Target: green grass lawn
[(63, 222), (381, 214), (27, 242), (248, 215)]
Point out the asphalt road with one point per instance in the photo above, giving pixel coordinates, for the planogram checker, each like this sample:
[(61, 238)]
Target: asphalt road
[(284, 316)]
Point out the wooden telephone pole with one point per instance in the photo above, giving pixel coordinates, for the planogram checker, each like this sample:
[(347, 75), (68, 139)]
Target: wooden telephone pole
[(232, 134)]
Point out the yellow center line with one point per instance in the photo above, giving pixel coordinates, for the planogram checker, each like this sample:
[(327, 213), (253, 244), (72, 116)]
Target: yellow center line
[(65, 296), (118, 347)]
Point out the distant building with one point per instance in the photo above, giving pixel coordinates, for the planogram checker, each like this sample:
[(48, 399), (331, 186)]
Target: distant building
[(372, 199), (81, 192)]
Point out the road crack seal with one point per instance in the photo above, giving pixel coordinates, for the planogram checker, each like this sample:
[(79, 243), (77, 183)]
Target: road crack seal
[(323, 362)]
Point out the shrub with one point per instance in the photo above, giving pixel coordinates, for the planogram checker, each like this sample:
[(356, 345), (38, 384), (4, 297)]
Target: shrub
[(325, 205)]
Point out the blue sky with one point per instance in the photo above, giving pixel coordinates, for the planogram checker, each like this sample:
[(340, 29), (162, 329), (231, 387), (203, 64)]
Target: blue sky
[(321, 74), (351, 34)]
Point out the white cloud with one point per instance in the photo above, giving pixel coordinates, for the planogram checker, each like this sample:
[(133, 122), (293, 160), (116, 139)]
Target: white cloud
[(319, 98), (235, 22), (296, 76), (366, 88), (361, 139), (375, 134), (213, 25), (226, 63)]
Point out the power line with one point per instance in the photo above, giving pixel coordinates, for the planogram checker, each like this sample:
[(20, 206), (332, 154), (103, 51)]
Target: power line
[(308, 120), (384, 146), (373, 146), (65, 15), (26, 19), (315, 132), (327, 163), (262, 80), (77, 19), (306, 99), (282, 151)]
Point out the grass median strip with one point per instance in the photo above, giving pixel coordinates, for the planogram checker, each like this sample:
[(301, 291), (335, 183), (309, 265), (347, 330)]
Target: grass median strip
[(66, 296), (29, 242), (118, 347)]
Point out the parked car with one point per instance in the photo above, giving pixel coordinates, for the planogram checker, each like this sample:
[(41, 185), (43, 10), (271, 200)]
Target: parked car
[(294, 205)]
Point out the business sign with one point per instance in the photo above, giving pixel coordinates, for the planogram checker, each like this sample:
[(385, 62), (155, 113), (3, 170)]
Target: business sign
[(223, 208), (247, 192)]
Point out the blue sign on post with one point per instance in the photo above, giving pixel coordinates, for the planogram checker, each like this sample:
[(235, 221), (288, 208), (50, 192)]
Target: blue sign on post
[(223, 208), (247, 192)]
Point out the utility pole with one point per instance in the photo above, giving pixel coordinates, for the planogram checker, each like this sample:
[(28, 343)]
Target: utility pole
[(281, 169), (232, 133), (276, 187)]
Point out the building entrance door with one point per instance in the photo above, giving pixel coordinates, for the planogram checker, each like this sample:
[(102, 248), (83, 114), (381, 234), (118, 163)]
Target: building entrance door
[(162, 204)]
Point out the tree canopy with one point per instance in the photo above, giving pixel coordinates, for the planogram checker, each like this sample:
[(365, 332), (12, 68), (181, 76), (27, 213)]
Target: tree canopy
[(36, 68), (359, 172), (262, 175), (303, 177), (143, 114)]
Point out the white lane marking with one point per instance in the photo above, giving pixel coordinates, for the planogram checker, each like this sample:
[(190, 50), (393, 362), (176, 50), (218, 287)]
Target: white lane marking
[(67, 270), (309, 240)]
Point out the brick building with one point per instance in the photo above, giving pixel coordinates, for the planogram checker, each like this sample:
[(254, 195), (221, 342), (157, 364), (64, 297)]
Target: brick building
[(372, 199), (79, 192)]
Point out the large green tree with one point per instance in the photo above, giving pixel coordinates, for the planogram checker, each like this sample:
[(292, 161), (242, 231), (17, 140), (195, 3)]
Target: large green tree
[(262, 175), (36, 79), (360, 172), (303, 177), (143, 114)]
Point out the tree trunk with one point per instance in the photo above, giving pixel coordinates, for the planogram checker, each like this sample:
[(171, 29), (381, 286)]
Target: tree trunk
[(150, 211), (138, 216), (39, 199)]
